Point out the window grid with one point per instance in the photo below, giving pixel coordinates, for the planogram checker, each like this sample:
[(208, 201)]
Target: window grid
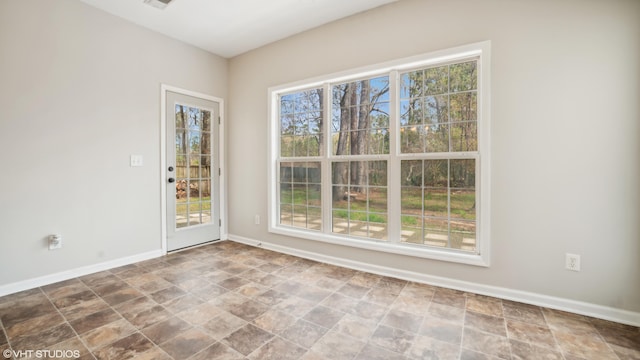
[(459, 220), (360, 209), (300, 194)]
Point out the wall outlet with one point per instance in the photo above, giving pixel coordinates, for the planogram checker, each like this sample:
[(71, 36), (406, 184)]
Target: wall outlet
[(55, 242), (256, 220), (572, 262)]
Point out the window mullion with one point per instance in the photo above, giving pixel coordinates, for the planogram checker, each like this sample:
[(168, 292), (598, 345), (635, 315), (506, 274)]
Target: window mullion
[(327, 190), (393, 165)]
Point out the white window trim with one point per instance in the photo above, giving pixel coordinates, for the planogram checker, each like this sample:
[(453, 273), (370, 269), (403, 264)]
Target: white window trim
[(482, 50)]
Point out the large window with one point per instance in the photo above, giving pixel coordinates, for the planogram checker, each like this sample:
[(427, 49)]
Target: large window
[(392, 159)]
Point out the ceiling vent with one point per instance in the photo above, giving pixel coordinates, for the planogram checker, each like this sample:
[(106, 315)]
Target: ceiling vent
[(160, 4)]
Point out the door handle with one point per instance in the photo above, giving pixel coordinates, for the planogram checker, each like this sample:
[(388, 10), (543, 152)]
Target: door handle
[(171, 180)]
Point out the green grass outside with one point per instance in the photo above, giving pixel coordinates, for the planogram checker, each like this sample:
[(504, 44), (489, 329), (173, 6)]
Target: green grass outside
[(194, 207), (435, 204)]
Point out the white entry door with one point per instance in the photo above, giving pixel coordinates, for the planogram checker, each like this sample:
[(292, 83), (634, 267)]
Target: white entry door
[(192, 170)]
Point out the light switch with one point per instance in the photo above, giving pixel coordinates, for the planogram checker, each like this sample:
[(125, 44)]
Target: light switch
[(136, 160)]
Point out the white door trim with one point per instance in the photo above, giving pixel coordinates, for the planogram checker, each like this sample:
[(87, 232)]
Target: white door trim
[(164, 88)]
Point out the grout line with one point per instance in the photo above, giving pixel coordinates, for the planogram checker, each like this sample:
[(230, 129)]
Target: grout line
[(67, 320)]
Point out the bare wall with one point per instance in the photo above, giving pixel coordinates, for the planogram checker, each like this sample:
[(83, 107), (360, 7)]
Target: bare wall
[(565, 134), (80, 93)]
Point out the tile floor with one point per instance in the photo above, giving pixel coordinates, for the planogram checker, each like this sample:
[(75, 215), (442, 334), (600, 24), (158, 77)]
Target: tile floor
[(232, 301)]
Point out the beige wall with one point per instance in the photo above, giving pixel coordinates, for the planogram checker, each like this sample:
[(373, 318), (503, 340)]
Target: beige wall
[(80, 93), (565, 134)]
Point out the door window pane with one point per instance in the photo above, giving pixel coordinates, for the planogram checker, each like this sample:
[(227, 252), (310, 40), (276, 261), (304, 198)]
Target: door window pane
[(193, 166)]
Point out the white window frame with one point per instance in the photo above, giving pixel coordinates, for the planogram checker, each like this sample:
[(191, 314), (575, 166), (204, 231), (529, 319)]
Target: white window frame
[(481, 51)]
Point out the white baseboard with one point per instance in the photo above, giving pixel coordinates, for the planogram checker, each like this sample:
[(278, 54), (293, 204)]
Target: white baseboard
[(81, 271), (577, 307)]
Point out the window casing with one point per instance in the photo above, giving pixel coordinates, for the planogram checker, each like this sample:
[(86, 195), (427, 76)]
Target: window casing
[(393, 157)]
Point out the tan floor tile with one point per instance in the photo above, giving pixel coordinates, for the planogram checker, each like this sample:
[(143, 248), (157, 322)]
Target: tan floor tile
[(74, 299), (182, 303), (164, 295), (312, 355), (272, 297), (337, 346), (356, 327), (274, 321), (125, 348), (44, 338), (121, 296), (586, 346), (278, 349), (248, 310), (467, 354), (218, 351), (380, 296), (107, 334), (393, 339), (324, 316), (625, 353), (251, 290), (114, 284), (368, 311), (247, 339), (10, 299), (222, 325), (154, 353), (525, 351), (487, 323), (200, 314), (523, 312), (304, 333), (34, 325), (84, 309), (373, 352), (484, 305), (295, 306), (353, 290), (442, 330), (149, 283), (486, 343), (13, 312), (66, 288), (450, 297), (425, 347), (187, 343), (403, 320), (531, 333), (165, 330), (365, 279), (73, 345), (446, 312), (95, 320)]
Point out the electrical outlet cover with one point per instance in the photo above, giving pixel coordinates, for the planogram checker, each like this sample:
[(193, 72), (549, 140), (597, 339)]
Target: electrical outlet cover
[(572, 262)]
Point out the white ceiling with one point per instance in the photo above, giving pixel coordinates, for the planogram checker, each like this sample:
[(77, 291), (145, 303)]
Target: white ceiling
[(231, 27)]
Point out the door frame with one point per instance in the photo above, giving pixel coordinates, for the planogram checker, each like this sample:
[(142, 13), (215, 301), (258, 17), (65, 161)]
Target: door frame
[(164, 88)]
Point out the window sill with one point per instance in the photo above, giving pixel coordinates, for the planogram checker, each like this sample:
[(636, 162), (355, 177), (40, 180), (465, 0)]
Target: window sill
[(405, 249)]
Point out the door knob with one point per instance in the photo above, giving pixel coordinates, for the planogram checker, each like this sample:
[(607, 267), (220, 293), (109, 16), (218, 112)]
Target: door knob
[(171, 180), (170, 168)]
